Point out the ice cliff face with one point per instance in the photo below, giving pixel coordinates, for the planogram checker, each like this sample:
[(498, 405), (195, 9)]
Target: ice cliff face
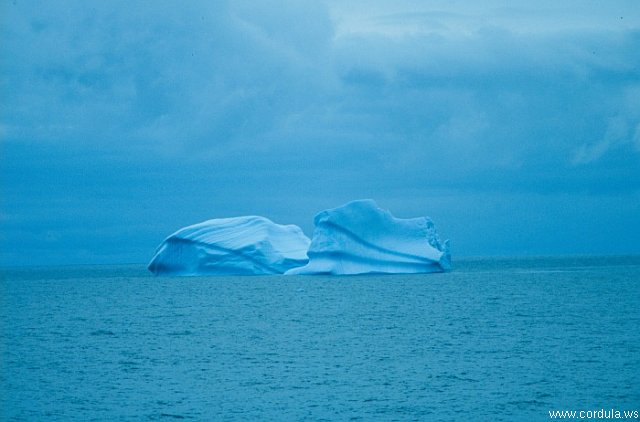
[(360, 238), (231, 246)]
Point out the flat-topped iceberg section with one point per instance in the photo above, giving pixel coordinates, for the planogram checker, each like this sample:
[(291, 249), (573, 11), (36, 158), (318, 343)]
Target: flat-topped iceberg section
[(249, 245), (360, 238)]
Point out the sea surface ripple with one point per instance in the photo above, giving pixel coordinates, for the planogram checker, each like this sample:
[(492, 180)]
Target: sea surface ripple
[(495, 339)]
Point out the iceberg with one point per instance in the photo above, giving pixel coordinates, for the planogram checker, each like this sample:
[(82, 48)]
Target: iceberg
[(248, 245), (360, 238)]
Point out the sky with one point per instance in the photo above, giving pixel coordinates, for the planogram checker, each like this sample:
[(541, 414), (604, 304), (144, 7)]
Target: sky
[(514, 125)]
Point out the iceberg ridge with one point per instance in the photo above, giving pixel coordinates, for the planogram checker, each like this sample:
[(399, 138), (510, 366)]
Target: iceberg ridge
[(248, 245)]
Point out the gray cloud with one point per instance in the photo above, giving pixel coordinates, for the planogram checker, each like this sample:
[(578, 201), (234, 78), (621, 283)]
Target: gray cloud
[(127, 121)]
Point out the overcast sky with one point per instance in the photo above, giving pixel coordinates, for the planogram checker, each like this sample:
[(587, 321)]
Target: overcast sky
[(515, 127)]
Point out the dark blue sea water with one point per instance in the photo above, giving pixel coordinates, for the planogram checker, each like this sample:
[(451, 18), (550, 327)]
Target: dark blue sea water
[(495, 339)]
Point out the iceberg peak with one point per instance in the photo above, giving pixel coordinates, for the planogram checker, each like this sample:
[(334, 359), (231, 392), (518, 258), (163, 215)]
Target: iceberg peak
[(360, 237)]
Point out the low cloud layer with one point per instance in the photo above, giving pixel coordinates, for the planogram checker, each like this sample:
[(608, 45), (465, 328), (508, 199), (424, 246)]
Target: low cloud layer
[(516, 129)]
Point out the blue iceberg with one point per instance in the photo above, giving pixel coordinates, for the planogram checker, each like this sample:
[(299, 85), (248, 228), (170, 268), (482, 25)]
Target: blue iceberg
[(247, 245), (360, 238)]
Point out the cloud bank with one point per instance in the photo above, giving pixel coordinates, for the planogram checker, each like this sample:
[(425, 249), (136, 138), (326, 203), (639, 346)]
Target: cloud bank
[(517, 129)]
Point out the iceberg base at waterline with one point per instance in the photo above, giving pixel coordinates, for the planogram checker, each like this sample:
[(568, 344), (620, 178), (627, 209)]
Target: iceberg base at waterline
[(249, 245), (361, 238)]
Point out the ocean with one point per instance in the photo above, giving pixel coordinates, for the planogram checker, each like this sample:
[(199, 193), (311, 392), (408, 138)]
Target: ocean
[(494, 339)]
